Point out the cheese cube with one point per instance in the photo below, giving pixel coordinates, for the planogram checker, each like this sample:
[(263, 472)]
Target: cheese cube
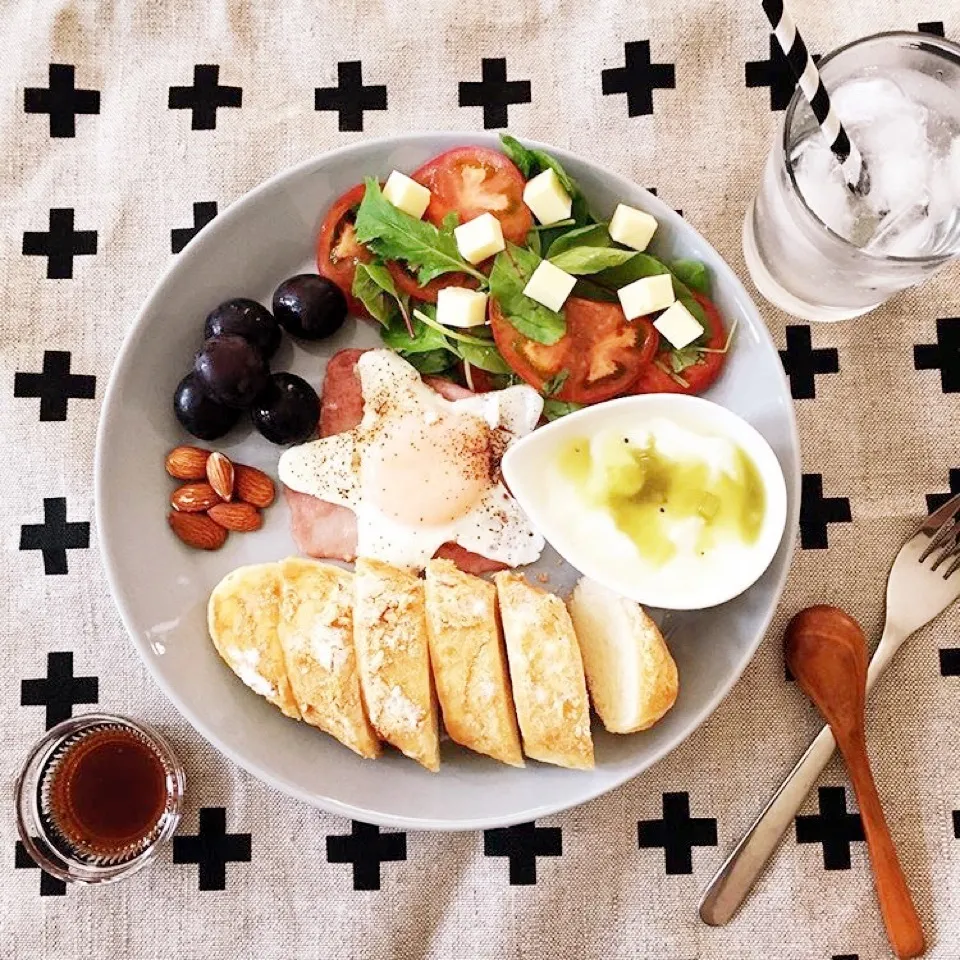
[(406, 194), (549, 285), (631, 227), (678, 325), (461, 307), (479, 238), (545, 196), (646, 295)]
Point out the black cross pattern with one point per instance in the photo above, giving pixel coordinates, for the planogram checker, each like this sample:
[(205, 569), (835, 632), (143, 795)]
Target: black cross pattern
[(50, 886), (817, 512), (366, 848), (494, 92), (638, 78), (349, 98), (54, 537), (931, 26), (776, 74), (833, 826), (59, 691), (62, 100), (845, 956), (944, 355), (937, 500), (653, 190), (212, 848), (55, 386), (205, 97), (522, 844), (802, 363), (678, 833), (203, 213), (956, 824), (950, 662), (60, 244)]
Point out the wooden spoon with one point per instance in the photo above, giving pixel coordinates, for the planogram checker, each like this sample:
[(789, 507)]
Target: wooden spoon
[(827, 653)]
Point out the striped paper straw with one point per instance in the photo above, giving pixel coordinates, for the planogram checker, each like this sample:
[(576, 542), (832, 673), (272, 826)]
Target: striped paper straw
[(811, 84)]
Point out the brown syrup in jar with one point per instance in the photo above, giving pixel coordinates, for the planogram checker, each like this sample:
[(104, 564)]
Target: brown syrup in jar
[(108, 792)]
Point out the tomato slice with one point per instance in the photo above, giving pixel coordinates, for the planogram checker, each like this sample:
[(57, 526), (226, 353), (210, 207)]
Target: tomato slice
[(338, 251), (406, 282), (698, 377), (470, 181), (602, 353)]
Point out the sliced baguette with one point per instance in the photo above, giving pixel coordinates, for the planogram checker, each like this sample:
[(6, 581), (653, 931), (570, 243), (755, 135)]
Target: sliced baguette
[(547, 674), (631, 675), (242, 616), (316, 635), (469, 663), (390, 636)]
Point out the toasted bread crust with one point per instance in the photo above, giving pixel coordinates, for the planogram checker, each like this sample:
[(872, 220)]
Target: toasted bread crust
[(390, 636), (546, 670), (469, 663)]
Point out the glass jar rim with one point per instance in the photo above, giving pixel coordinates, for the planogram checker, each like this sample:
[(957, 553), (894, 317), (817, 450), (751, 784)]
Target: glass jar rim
[(939, 45)]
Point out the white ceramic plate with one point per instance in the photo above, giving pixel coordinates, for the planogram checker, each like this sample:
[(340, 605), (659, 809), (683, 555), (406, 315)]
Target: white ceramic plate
[(161, 587)]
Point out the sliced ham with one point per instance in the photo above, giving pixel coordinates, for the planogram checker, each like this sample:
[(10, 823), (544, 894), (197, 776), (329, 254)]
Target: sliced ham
[(328, 530)]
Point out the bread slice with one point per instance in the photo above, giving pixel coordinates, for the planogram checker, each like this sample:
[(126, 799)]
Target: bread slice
[(390, 635), (316, 635), (547, 674), (242, 617), (469, 662), (631, 675)]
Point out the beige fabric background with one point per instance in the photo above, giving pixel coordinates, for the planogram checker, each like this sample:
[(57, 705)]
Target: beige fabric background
[(881, 433)]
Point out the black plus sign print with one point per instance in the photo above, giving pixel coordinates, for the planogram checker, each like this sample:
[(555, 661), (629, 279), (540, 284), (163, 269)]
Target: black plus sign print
[(61, 100), (523, 843), (833, 827), (678, 833), (212, 848), (205, 97), (366, 848), (845, 956), (203, 213), (774, 73), (494, 92), (956, 824), (931, 26), (937, 500), (944, 355), (59, 691), (802, 363), (817, 512), (55, 385), (349, 98), (638, 78), (50, 886), (54, 537), (653, 190), (950, 662), (60, 244)]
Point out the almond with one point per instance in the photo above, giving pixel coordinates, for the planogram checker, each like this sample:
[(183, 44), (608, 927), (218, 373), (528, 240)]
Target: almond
[(220, 475), (187, 463), (197, 530), (253, 486), (194, 498), (241, 517)]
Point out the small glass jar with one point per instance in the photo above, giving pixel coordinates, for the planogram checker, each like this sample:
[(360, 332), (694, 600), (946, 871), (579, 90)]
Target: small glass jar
[(97, 797)]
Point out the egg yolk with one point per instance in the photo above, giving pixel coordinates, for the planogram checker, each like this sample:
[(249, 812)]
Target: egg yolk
[(428, 470)]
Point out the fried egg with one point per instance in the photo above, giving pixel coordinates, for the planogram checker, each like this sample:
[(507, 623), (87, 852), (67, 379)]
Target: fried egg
[(420, 470)]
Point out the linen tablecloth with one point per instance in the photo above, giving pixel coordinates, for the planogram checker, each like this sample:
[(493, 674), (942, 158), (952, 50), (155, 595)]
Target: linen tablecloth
[(124, 128)]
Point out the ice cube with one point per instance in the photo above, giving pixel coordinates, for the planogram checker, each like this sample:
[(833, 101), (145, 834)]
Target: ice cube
[(822, 185)]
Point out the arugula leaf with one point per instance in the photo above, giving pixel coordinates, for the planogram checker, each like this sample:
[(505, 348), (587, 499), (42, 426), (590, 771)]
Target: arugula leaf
[(373, 286), (681, 359), (511, 271), (592, 235), (534, 242), (581, 260), (589, 290), (432, 361), (555, 383), (693, 274), (425, 339), (486, 358), (395, 235), (555, 409)]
